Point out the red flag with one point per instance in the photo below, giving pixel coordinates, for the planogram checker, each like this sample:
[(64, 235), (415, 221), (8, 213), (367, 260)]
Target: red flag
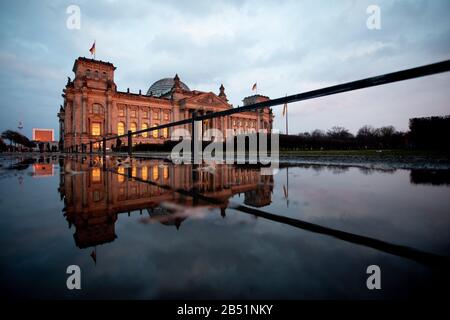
[(92, 49), (254, 87)]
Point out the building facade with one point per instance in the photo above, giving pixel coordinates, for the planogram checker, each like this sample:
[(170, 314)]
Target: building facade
[(93, 108)]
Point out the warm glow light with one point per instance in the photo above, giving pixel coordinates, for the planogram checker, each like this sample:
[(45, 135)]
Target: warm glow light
[(120, 128), (120, 177), (155, 132), (133, 127), (155, 173), (95, 128), (144, 173), (166, 173), (96, 175), (143, 127), (133, 172)]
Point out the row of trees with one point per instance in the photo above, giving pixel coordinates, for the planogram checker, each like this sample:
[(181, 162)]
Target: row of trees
[(424, 133), (16, 140), (338, 137)]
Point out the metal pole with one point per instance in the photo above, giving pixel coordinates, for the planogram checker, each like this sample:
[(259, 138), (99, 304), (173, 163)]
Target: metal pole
[(130, 143), (90, 147), (194, 114), (104, 146)]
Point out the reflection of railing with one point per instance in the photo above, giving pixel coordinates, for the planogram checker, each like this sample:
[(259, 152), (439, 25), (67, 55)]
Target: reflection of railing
[(417, 72), (398, 250)]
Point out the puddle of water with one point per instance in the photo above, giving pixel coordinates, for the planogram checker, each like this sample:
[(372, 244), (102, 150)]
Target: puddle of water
[(150, 229)]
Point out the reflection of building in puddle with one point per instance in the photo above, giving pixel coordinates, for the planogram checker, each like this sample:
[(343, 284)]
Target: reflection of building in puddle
[(94, 199)]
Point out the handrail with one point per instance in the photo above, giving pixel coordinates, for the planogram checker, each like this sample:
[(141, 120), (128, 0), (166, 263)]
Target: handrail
[(422, 71)]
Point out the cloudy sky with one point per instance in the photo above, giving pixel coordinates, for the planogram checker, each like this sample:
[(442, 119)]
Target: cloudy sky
[(286, 47)]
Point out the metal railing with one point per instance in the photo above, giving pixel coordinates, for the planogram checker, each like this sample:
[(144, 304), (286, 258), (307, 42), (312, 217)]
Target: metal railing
[(426, 70)]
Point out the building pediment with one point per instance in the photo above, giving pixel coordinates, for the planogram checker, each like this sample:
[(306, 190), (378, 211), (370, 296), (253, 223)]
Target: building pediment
[(207, 99)]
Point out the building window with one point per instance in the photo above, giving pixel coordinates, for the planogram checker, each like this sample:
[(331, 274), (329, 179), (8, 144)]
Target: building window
[(96, 175), (121, 112), (95, 128), (165, 132), (121, 172), (120, 128), (144, 173), (166, 172), (155, 132), (155, 173), (155, 114), (96, 195), (133, 127), (143, 127), (166, 116), (234, 123), (133, 113), (144, 114), (97, 108), (134, 172)]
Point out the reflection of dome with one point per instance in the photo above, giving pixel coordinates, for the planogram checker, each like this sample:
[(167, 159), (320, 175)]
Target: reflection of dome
[(163, 86)]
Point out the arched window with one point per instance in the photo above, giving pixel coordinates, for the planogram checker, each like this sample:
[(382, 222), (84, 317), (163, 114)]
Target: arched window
[(144, 173), (155, 132), (133, 127), (155, 173), (120, 128), (165, 132), (143, 127)]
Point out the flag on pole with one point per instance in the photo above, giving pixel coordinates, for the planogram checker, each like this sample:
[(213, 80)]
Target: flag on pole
[(92, 49), (284, 109), (254, 87)]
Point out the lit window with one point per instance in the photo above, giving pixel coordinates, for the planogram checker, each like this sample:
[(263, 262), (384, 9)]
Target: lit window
[(166, 116), (95, 128), (166, 172), (133, 127), (234, 122), (165, 132), (156, 114), (144, 173), (121, 112), (121, 172), (143, 127), (120, 128), (144, 114), (155, 173), (155, 132), (96, 175), (133, 172), (133, 113)]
